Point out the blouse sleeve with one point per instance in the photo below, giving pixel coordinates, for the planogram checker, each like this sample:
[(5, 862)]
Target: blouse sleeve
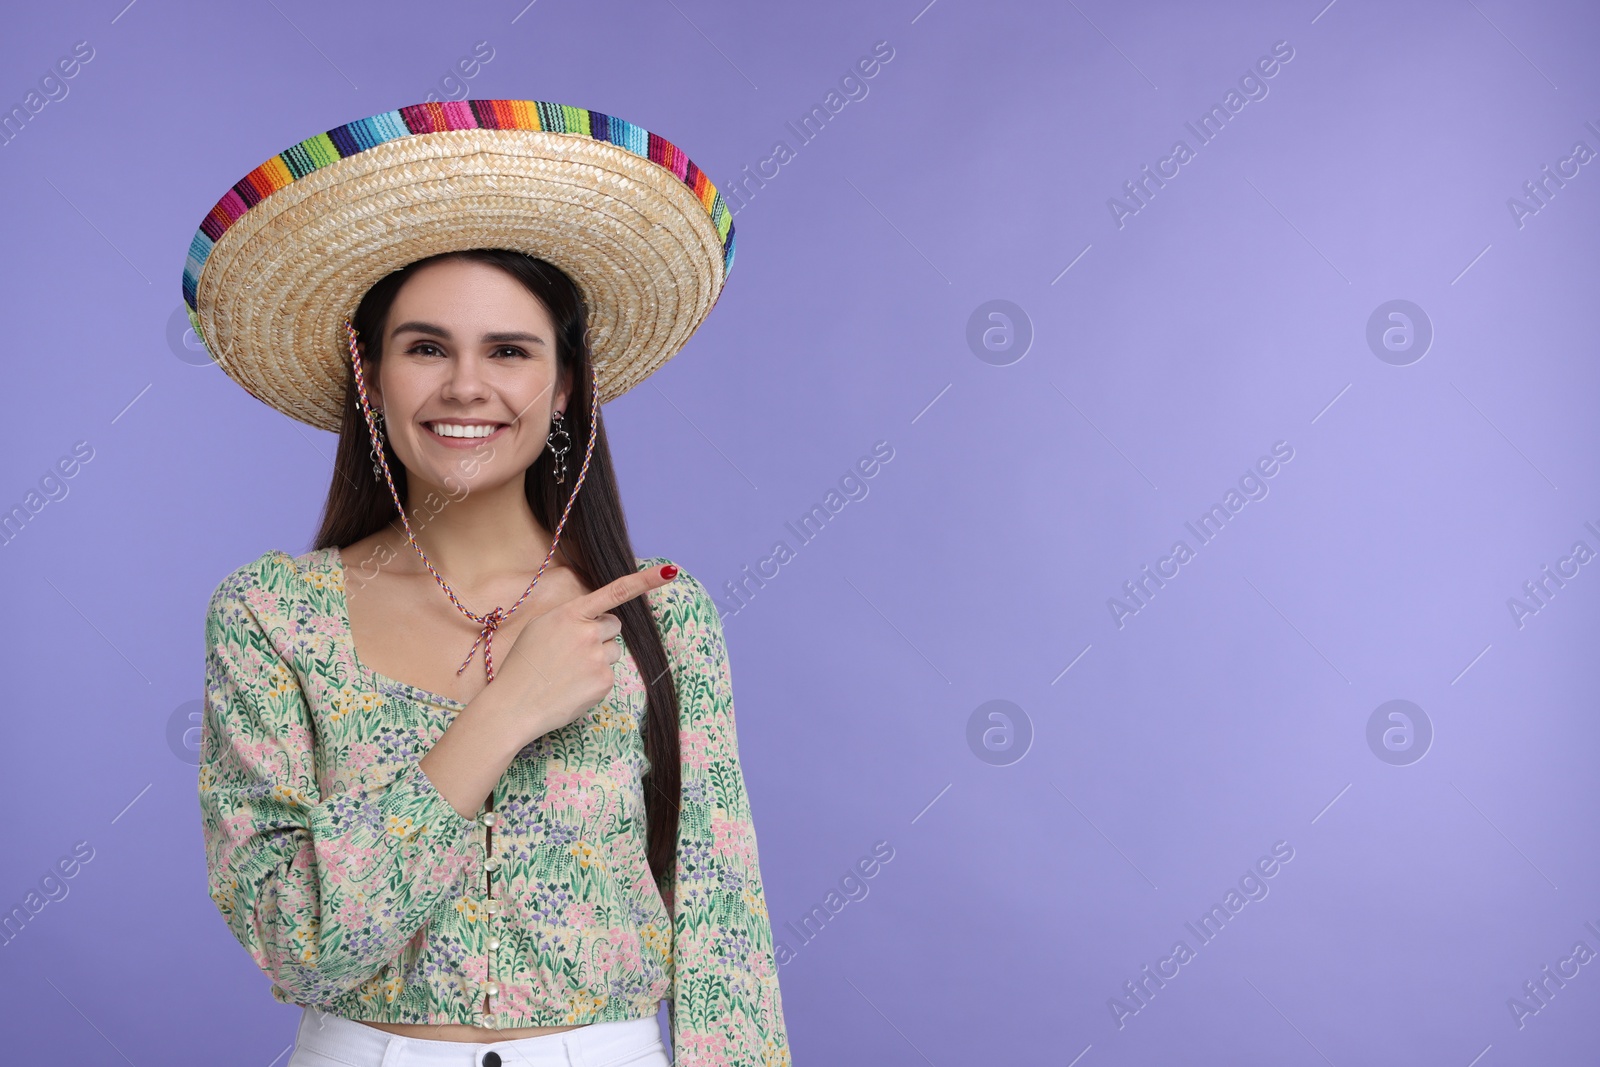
[(725, 1007), (321, 892)]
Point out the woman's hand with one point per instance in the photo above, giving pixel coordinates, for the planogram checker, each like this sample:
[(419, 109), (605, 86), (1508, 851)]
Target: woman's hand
[(560, 664)]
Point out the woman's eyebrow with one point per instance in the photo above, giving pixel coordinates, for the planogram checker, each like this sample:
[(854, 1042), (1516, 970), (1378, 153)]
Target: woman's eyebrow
[(444, 334)]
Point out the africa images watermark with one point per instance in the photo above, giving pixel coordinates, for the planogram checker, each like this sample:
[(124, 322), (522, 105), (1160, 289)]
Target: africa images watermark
[(453, 84), (852, 887), (738, 193), (52, 487), (1541, 190), (1141, 190), (1252, 886), (1538, 592), (53, 888), (53, 88), (1540, 991), (852, 486), (1139, 591)]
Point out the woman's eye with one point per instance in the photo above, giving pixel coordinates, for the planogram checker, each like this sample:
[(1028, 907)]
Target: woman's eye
[(428, 348)]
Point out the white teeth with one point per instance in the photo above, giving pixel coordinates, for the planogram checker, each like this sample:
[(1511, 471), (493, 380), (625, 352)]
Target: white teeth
[(448, 429)]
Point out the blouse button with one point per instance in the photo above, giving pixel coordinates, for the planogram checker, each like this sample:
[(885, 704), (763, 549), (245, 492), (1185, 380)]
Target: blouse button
[(494, 943), (492, 863), (492, 988), (491, 907), (487, 818)]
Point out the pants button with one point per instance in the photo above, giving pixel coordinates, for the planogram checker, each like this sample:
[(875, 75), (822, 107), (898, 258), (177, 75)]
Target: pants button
[(491, 1059)]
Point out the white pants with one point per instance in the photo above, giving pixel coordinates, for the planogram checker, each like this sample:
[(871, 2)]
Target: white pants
[(325, 1040)]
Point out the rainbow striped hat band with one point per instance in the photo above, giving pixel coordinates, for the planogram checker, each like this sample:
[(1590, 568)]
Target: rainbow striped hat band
[(286, 255)]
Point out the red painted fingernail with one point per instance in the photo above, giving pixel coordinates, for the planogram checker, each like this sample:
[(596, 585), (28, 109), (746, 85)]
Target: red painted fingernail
[(669, 570)]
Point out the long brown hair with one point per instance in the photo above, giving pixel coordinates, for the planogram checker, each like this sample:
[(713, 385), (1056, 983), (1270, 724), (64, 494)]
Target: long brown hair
[(596, 533)]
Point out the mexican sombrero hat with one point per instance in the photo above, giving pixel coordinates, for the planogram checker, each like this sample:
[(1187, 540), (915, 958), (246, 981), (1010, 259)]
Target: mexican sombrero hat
[(286, 255)]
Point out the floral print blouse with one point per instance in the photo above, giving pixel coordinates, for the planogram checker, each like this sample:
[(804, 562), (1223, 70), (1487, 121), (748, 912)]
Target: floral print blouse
[(360, 890)]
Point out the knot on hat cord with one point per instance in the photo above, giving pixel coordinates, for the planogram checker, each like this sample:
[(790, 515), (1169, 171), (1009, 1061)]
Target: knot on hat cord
[(491, 621)]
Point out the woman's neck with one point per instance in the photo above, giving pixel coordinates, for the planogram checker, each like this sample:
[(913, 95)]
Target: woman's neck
[(477, 537)]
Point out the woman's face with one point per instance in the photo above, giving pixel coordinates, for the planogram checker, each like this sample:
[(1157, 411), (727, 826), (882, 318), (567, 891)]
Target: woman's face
[(468, 382)]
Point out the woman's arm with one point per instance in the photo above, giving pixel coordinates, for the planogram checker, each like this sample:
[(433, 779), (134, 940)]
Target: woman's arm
[(473, 753), (725, 1005), (320, 891)]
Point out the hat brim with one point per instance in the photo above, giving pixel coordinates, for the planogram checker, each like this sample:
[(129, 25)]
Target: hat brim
[(648, 240)]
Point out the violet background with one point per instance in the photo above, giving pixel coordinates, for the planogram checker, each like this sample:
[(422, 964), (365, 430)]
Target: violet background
[(1228, 314)]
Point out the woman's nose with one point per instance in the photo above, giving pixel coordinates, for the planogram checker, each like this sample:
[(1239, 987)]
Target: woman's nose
[(466, 377)]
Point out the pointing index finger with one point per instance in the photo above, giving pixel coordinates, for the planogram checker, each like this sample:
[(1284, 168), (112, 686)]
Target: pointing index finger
[(624, 589)]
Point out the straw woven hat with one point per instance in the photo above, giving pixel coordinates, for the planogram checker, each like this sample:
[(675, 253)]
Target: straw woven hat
[(284, 258)]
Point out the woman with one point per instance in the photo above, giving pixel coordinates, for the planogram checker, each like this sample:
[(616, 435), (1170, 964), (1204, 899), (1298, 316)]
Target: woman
[(526, 857)]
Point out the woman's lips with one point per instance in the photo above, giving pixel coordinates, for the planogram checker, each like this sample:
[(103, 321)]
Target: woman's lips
[(465, 442)]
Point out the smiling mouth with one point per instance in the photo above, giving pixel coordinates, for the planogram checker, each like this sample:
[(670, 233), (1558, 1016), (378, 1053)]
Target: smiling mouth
[(458, 431)]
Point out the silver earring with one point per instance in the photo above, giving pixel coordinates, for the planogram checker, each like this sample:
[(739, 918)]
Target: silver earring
[(559, 452), (377, 467)]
